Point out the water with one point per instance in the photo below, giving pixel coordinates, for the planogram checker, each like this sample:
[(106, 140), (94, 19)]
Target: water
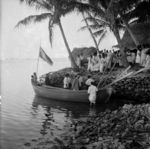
[(26, 120)]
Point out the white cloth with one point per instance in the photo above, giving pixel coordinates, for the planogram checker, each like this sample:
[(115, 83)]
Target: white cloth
[(92, 93), (90, 64), (95, 60), (88, 81), (81, 57), (138, 57), (143, 57), (147, 65), (67, 81), (78, 62), (102, 63)]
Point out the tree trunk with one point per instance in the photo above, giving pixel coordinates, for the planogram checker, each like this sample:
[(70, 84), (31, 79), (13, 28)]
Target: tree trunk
[(73, 63), (95, 42), (123, 54), (130, 33)]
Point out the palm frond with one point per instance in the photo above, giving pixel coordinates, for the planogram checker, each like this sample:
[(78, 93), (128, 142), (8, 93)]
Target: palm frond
[(33, 19), (50, 28), (81, 7), (103, 35), (39, 4), (98, 33), (43, 5), (83, 28), (97, 20)]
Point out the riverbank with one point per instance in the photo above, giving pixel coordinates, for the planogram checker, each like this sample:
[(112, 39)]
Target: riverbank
[(128, 127), (135, 88)]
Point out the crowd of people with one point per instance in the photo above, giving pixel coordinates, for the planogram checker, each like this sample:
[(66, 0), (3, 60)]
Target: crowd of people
[(140, 55), (99, 62), (78, 84), (106, 59)]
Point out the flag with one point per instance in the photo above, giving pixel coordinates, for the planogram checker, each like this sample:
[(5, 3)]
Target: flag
[(44, 56)]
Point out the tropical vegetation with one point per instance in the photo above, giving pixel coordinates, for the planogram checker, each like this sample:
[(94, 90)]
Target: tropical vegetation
[(103, 14)]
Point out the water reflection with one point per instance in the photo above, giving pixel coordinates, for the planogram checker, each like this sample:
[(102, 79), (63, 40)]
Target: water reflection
[(73, 110), (58, 116), (56, 119), (70, 109)]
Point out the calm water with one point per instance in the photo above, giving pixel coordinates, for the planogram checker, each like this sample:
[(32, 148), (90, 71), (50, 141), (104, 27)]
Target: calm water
[(27, 120)]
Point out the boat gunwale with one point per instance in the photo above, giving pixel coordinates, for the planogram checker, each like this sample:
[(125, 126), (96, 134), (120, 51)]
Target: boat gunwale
[(57, 88)]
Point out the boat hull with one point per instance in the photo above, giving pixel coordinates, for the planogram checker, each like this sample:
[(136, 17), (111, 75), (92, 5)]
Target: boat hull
[(62, 94)]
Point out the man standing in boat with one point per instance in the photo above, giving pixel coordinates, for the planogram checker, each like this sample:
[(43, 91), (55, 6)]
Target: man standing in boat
[(67, 81)]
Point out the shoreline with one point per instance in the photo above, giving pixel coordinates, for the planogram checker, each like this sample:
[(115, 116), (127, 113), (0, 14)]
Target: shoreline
[(128, 127), (133, 88)]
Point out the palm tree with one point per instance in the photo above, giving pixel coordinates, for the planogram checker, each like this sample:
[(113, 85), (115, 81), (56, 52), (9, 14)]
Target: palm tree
[(55, 9), (115, 14), (91, 33), (95, 24), (134, 12), (105, 17)]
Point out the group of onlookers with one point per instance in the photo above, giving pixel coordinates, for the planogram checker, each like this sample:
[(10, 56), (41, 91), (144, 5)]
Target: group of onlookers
[(105, 60), (99, 61), (78, 84), (140, 55)]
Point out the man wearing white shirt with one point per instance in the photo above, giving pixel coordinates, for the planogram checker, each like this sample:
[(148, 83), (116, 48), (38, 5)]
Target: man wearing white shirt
[(92, 91), (67, 81)]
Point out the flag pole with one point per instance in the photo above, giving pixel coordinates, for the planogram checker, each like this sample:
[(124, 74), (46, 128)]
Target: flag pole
[(38, 60), (37, 63)]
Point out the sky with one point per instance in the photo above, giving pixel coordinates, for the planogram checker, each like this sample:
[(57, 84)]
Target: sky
[(24, 42)]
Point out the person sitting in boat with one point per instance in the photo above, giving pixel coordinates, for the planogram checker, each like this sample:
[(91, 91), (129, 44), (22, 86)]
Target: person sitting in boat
[(34, 77), (88, 81), (75, 83), (47, 81), (67, 81), (92, 91), (81, 84)]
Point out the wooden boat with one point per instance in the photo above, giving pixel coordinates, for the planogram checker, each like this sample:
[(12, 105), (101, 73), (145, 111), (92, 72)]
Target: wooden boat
[(62, 94)]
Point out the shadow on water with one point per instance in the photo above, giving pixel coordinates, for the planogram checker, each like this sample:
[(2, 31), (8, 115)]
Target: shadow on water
[(55, 119), (73, 109)]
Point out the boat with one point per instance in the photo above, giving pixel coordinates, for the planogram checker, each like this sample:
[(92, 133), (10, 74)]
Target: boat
[(61, 94)]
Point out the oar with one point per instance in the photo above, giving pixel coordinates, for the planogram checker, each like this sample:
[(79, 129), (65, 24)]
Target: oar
[(117, 77), (105, 71), (129, 74)]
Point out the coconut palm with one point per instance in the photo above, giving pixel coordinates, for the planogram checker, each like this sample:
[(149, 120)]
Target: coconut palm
[(103, 16), (134, 12), (115, 14), (54, 10), (91, 33), (95, 24)]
